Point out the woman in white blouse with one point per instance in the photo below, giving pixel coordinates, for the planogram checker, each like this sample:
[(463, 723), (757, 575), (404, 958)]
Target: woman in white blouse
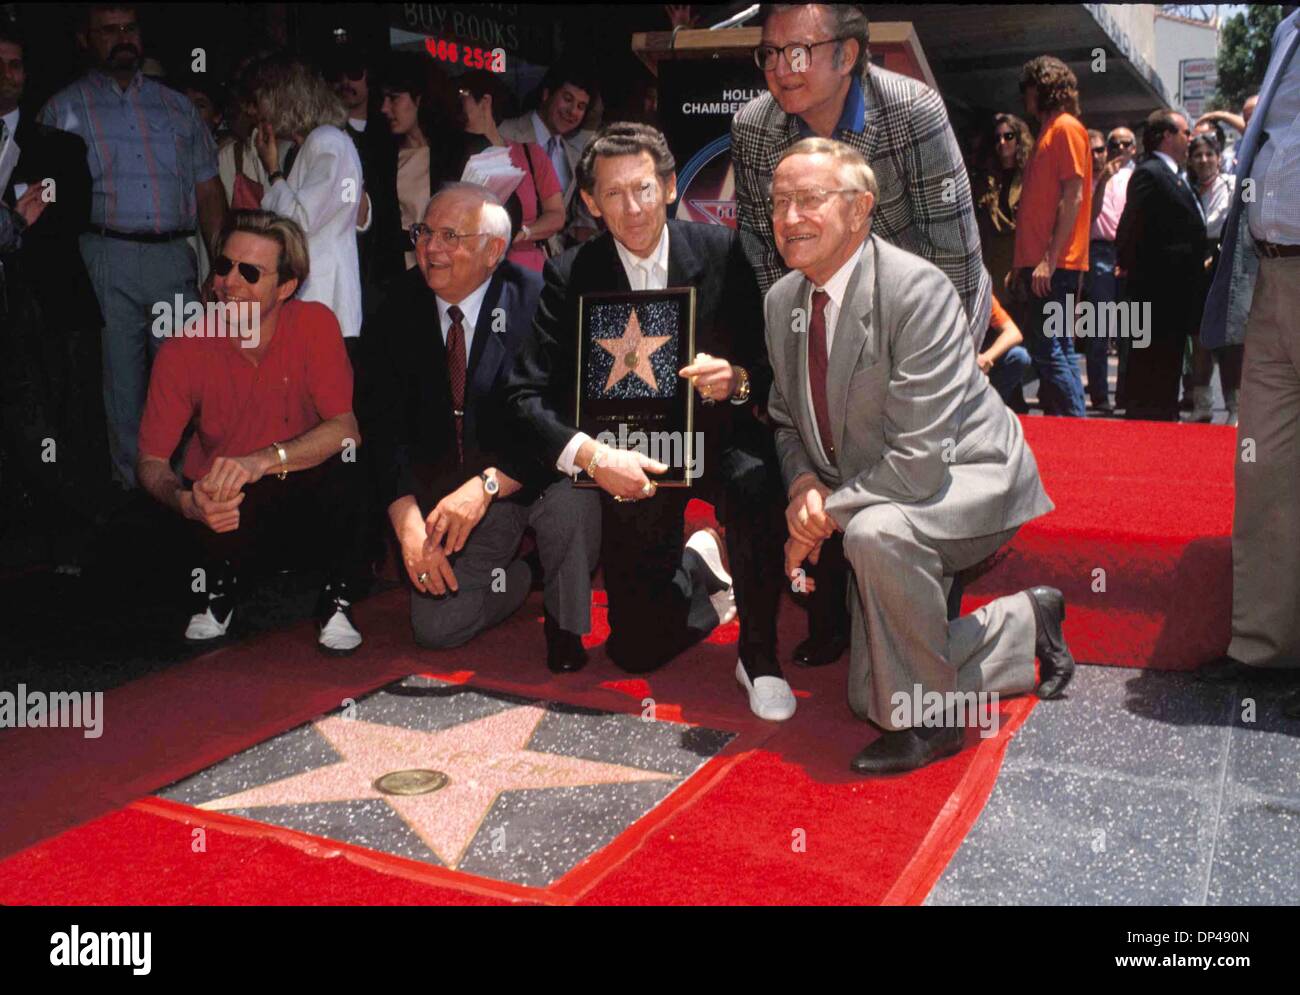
[(319, 185), (1215, 190)]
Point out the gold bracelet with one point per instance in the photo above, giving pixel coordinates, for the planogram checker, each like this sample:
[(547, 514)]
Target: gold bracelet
[(284, 461), (595, 462)]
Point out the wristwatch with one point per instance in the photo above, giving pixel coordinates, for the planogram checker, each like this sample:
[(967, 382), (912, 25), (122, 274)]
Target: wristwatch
[(741, 394), (490, 484)]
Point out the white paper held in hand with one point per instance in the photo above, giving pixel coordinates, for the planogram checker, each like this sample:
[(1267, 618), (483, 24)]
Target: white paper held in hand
[(494, 170)]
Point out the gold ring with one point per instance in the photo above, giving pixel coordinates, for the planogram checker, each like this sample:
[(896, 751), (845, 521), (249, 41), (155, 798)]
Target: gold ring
[(648, 488), (423, 578), (707, 390)]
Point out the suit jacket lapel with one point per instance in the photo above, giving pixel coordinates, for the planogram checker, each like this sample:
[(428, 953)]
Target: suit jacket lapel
[(486, 354), (852, 333), (684, 266)]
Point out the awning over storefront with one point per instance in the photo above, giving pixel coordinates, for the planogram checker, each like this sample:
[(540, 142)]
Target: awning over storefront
[(976, 52)]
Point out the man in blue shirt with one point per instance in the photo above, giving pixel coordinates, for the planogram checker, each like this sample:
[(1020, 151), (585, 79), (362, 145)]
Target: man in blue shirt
[(153, 164)]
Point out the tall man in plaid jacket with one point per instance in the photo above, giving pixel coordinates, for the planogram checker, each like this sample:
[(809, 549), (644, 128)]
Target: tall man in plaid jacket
[(820, 82)]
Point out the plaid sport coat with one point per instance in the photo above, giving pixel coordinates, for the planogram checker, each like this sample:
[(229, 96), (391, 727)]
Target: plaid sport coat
[(925, 200)]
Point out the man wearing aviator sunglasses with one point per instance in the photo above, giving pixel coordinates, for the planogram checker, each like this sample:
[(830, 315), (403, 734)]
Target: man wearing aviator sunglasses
[(820, 82), (271, 469)]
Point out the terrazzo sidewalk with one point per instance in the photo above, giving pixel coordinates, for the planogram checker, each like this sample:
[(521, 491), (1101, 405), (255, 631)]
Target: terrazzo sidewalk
[(1140, 788)]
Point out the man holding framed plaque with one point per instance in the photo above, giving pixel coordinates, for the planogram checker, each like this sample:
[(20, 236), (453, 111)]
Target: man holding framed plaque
[(641, 375)]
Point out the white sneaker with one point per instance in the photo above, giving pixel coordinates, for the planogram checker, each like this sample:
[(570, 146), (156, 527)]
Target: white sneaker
[(705, 543), (205, 626), (769, 697), (339, 636)]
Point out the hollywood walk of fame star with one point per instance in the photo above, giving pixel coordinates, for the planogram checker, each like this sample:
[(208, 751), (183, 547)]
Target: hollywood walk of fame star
[(632, 353), (481, 758)]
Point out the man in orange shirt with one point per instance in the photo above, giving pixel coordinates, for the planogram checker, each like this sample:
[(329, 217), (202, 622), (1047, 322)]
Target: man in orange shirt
[(1051, 254)]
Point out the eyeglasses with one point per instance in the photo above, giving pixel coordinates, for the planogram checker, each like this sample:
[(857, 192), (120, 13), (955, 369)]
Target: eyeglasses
[(765, 56), (1099, 150), (224, 264), (1005, 136), (1114, 144), (805, 200), (443, 238)]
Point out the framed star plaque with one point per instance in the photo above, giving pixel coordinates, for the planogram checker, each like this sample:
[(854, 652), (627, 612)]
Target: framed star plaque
[(630, 346)]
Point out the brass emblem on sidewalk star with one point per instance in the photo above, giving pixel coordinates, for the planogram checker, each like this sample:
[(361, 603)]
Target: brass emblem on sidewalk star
[(411, 782)]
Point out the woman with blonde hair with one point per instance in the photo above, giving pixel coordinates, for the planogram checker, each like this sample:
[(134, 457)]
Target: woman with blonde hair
[(319, 183)]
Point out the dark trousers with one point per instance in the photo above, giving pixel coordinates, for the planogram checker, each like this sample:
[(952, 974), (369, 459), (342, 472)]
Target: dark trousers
[(659, 599), (309, 519)]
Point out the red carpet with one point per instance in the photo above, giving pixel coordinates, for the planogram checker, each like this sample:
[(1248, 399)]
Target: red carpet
[(1140, 540), (777, 819)]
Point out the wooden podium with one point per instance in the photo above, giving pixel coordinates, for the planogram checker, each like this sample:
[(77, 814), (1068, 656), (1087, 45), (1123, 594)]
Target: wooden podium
[(893, 45)]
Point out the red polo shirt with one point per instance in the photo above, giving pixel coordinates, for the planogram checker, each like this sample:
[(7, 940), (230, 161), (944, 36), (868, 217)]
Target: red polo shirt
[(302, 379)]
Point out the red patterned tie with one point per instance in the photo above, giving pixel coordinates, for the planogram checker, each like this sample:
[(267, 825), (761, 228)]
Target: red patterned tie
[(456, 374), (817, 363)]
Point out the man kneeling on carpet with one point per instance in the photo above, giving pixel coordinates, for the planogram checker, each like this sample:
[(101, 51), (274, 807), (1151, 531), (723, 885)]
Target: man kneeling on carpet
[(459, 492), (893, 443), (270, 470)]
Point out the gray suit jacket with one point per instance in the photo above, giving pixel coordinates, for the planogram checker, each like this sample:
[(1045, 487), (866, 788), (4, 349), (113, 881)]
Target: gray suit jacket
[(520, 129), (915, 421)]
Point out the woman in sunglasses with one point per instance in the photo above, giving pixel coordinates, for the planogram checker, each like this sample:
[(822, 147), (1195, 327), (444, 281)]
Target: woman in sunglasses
[(318, 184), (1215, 190), (995, 187)]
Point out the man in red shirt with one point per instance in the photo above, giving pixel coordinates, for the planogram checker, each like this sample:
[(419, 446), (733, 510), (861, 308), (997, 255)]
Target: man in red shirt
[(268, 387), (1051, 253)]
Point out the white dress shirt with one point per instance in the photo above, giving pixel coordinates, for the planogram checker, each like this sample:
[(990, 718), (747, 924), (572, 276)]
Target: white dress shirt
[(1215, 203), (556, 153), (650, 273), (470, 308), (836, 287), (358, 123), (1274, 214)]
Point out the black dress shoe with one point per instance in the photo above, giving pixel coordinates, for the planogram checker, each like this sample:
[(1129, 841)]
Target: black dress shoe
[(565, 653), (908, 749), (818, 651), (1291, 705), (1055, 662), (1229, 670)]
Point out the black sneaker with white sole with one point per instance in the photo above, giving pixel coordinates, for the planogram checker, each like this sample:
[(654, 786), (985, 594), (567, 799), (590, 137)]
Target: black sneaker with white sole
[(212, 622), (339, 635)]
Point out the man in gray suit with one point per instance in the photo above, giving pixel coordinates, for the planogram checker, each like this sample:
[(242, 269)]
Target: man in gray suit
[(892, 442)]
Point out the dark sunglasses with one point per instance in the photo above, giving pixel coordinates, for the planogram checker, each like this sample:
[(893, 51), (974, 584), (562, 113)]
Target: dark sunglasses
[(1005, 136), (224, 264), (1115, 144)]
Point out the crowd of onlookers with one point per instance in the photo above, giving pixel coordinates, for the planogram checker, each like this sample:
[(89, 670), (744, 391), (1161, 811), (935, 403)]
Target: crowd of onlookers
[(1013, 190), (347, 204)]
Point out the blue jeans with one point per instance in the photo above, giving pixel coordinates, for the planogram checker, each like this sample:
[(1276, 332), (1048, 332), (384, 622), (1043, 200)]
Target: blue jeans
[(1060, 388), (129, 279), (1008, 377), (1103, 288)]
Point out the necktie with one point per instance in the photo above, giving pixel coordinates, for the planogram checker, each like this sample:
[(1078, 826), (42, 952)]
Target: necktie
[(555, 149), (456, 374), (817, 364)]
